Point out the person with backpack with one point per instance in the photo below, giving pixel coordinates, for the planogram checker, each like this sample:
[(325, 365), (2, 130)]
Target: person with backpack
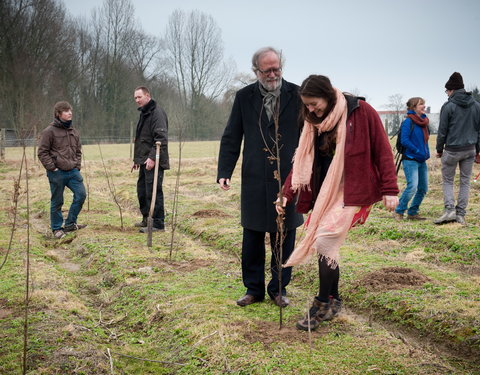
[(414, 134)]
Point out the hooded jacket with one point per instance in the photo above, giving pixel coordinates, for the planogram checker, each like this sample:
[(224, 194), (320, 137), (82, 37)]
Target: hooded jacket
[(60, 147), (414, 140), (459, 127)]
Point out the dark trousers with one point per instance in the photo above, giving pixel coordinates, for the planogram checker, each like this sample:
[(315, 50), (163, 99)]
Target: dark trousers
[(329, 279), (253, 263), (144, 193)]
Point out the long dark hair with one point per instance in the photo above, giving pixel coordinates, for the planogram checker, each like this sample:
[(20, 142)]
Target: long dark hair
[(318, 86)]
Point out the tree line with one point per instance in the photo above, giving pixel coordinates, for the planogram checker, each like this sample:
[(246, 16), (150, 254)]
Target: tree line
[(46, 56)]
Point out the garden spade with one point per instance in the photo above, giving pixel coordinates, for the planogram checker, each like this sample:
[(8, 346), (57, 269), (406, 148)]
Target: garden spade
[(154, 195)]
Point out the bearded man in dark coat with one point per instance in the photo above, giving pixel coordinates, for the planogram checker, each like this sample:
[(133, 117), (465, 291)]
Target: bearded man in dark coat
[(252, 121)]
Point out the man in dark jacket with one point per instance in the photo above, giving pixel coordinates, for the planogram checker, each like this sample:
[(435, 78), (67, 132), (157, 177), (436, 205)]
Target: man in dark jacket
[(252, 120), (60, 152), (458, 143), (151, 128)]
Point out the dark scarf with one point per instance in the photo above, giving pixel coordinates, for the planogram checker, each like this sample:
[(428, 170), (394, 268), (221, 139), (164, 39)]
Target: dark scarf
[(422, 122), (65, 124)]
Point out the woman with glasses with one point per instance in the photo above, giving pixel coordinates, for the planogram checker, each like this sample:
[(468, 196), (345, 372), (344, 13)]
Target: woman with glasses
[(343, 164)]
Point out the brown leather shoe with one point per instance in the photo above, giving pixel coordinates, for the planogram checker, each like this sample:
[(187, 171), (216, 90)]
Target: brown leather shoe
[(281, 301), (247, 299)]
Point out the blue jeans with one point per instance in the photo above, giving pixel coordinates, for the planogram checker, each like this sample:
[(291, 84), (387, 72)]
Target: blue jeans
[(74, 181), (416, 175)]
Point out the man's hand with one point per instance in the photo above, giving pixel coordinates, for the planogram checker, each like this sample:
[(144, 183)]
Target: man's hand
[(149, 164), (224, 183), (280, 208), (390, 202), (439, 155), (134, 167), (477, 158)]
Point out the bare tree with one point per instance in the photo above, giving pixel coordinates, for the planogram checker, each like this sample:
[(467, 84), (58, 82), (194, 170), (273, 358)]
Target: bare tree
[(195, 55), (397, 107), (35, 57)]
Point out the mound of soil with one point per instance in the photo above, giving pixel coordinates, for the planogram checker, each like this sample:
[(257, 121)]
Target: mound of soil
[(392, 278), (210, 213)]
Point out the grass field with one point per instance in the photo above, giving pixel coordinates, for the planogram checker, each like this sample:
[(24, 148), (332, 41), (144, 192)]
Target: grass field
[(102, 302)]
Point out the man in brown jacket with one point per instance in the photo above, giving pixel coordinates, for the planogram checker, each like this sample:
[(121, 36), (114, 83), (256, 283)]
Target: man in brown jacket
[(60, 152)]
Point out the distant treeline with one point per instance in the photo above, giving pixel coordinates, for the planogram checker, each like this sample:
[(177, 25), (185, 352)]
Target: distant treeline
[(96, 63)]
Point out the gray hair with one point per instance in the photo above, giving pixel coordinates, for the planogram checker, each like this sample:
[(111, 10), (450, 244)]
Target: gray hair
[(262, 51)]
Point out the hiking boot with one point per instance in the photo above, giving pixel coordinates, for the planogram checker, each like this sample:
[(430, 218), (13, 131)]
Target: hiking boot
[(335, 307), (397, 216), (460, 220), (58, 233), (73, 227), (447, 217), (416, 217), (154, 229), (319, 312), (141, 224)]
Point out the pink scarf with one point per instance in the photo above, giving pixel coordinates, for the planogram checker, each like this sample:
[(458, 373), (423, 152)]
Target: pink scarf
[(329, 220)]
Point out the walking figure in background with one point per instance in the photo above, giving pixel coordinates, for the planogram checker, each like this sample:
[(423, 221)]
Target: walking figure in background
[(414, 134), (252, 121), (343, 164), (60, 152), (152, 126), (458, 144)]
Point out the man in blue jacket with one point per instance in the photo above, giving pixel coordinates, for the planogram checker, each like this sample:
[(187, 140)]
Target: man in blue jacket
[(458, 143)]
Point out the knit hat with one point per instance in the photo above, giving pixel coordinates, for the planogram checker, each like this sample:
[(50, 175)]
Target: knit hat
[(455, 82)]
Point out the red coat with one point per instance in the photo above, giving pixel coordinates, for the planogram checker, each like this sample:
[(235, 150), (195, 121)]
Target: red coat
[(369, 165)]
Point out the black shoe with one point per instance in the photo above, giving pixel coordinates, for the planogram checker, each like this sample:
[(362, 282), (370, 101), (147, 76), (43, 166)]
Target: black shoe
[(73, 227), (141, 224)]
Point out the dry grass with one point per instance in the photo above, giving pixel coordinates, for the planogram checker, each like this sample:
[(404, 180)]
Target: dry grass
[(103, 288)]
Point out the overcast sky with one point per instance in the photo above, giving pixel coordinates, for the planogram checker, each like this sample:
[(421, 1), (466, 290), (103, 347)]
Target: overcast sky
[(375, 48)]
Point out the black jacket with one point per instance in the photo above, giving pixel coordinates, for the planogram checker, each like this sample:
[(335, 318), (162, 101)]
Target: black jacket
[(259, 187), (459, 127), (152, 127)]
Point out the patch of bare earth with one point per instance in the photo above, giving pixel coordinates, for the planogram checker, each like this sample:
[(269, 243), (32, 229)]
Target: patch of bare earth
[(390, 278), (269, 333), (210, 213)]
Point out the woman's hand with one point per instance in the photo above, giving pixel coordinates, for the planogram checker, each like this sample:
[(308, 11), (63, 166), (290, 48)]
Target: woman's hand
[(390, 202), (280, 207)]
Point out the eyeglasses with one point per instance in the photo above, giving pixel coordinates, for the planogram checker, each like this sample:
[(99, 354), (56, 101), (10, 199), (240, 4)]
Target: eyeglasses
[(272, 70)]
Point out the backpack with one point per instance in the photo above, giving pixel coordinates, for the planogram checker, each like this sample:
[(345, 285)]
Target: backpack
[(400, 149)]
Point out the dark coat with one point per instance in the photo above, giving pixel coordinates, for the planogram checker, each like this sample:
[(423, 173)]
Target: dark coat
[(151, 127), (60, 147), (369, 166), (259, 187)]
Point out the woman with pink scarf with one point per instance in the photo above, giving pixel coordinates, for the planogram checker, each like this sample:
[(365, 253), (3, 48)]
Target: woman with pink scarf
[(343, 164)]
